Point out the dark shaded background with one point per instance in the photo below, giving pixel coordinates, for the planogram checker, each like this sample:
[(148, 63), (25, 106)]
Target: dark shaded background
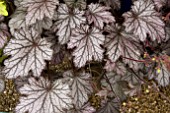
[(125, 5)]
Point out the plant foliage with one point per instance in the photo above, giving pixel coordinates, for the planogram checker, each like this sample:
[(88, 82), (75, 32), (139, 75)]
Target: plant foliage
[(3, 10), (42, 96), (82, 56)]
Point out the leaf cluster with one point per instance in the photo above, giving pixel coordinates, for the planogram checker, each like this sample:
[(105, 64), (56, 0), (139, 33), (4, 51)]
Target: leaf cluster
[(78, 56)]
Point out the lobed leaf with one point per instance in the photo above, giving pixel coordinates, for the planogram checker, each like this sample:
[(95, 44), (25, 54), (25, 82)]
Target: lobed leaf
[(17, 20), (119, 42), (4, 34), (159, 3), (86, 42), (111, 83), (163, 76), (87, 108), (39, 9), (99, 15), (28, 52), (67, 20), (117, 67), (111, 106), (80, 87), (42, 96), (143, 20)]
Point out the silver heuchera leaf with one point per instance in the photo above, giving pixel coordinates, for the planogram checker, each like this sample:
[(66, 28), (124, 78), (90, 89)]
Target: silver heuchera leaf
[(112, 77), (46, 23), (80, 87), (87, 42), (20, 81), (39, 9), (112, 106), (43, 96), (87, 108), (132, 90), (17, 20), (167, 29), (134, 82), (122, 43), (132, 78), (52, 39), (67, 20), (4, 34), (117, 67), (111, 83), (109, 66), (163, 76), (143, 20), (166, 47), (159, 3), (99, 15), (1, 18), (28, 52), (17, 2)]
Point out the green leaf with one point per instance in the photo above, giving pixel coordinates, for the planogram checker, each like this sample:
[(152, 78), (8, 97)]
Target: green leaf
[(3, 9), (2, 58), (1, 52)]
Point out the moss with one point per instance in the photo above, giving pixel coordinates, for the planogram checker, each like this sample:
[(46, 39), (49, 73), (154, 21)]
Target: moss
[(9, 97), (150, 101)]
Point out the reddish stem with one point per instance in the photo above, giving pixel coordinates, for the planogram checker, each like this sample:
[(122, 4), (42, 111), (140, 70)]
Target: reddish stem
[(134, 59)]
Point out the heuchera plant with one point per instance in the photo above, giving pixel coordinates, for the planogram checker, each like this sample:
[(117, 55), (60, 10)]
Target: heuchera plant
[(78, 56)]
